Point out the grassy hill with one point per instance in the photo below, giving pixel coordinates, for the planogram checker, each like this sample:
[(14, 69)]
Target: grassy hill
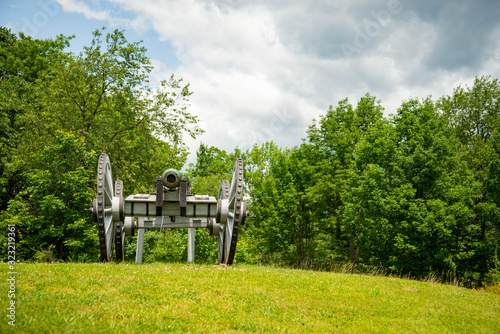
[(128, 298)]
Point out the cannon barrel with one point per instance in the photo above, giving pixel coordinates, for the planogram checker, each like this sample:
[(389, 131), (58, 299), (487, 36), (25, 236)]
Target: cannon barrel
[(171, 178)]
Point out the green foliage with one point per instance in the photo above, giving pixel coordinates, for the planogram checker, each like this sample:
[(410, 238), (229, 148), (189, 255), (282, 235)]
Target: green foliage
[(401, 193), (164, 245), (46, 255), (25, 58), (22, 61), (212, 166), (50, 214), (283, 228), (473, 114), (102, 96), (59, 112), (170, 245)]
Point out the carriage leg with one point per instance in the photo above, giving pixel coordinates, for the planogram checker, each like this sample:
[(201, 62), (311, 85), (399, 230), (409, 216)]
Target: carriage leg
[(140, 245), (190, 254)]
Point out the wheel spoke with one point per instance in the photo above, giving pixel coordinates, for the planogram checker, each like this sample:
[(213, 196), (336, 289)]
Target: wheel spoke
[(108, 223), (109, 236), (220, 245), (228, 237), (108, 196), (232, 189), (232, 198)]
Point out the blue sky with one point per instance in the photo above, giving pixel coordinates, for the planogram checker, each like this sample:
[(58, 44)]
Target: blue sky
[(262, 70), (47, 19)]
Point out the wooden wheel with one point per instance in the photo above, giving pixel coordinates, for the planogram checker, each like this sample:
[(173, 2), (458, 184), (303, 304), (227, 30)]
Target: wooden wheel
[(119, 228), (107, 210), (235, 212)]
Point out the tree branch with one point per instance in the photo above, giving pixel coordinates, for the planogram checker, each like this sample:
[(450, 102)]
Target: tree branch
[(123, 130)]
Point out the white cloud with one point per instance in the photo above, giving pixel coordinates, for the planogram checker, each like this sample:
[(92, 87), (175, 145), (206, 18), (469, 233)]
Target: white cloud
[(75, 6), (263, 70), (236, 67)]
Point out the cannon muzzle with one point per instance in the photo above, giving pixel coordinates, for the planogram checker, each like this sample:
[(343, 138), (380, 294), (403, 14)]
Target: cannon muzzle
[(171, 178)]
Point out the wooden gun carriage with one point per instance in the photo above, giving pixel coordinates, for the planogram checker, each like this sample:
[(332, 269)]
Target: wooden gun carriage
[(171, 206)]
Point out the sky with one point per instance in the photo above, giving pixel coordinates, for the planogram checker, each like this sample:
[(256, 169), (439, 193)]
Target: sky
[(263, 70)]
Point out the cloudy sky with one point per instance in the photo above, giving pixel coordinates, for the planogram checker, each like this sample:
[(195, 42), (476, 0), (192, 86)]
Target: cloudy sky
[(262, 70)]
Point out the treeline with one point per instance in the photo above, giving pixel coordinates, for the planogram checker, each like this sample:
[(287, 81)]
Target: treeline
[(414, 193)]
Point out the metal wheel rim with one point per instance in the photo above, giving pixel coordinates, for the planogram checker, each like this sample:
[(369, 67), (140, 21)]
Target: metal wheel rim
[(119, 236), (235, 198), (104, 206)]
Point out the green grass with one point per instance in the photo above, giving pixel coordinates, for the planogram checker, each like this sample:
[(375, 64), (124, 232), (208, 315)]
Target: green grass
[(128, 298)]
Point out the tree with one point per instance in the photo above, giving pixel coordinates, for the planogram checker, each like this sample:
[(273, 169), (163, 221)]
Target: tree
[(298, 197), (71, 109), (372, 198), (474, 115), (282, 228), (422, 199), (22, 62), (102, 97), (212, 166), (331, 143), (49, 214), (473, 112)]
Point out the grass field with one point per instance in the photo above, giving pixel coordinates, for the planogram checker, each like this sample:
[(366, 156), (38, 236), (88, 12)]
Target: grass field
[(129, 298)]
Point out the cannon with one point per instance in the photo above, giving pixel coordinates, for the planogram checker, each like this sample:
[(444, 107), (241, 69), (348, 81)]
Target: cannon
[(172, 205)]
